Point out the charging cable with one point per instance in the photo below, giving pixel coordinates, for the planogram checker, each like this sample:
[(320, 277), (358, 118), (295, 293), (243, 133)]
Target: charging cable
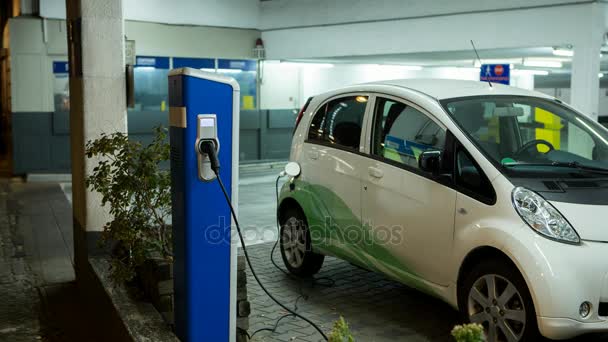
[(209, 148)]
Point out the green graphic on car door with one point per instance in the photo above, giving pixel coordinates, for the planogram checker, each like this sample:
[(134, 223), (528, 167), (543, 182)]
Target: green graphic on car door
[(336, 230)]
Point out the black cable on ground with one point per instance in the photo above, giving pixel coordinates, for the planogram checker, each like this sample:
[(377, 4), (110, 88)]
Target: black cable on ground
[(255, 276)]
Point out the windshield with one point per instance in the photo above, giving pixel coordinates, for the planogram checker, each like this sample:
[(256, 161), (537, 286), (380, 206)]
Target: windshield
[(528, 134)]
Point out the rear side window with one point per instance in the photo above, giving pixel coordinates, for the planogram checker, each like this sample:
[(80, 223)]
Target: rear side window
[(339, 122)]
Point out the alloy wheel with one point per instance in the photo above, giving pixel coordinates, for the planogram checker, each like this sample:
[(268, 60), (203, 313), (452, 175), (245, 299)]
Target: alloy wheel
[(293, 240), (496, 304)]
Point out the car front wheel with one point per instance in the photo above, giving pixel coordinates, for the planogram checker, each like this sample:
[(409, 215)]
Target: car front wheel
[(495, 295), (296, 246)]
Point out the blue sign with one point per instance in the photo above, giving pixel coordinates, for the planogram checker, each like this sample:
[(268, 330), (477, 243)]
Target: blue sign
[(61, 67), (238, 64), (152, 61), (197, 63), (495, 73)]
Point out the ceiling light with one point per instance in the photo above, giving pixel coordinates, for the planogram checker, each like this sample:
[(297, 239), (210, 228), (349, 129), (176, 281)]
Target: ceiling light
[(144, 68), (600, 75), (530, 72), (230, 71), (563, 52), (308, 65), (402, 67), (542, 64)]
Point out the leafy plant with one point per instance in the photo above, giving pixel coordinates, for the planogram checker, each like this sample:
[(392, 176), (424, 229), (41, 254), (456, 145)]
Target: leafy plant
[(131, 181), (468, 333), (341, 332)]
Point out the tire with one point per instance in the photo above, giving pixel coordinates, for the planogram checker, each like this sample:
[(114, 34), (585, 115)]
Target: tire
[(510, 313), (295, 243)]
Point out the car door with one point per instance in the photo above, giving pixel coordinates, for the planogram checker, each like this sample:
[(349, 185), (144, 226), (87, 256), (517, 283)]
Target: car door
[(409, 213), (331, 170)]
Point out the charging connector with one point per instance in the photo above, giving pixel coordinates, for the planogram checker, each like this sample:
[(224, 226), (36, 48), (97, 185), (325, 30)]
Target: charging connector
[(209, 147)]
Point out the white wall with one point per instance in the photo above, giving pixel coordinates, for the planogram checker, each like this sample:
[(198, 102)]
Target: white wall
[(31, 62), (190, 41), (32, 54), (279, 87), (295, 13), (282, 82), (222, 13)]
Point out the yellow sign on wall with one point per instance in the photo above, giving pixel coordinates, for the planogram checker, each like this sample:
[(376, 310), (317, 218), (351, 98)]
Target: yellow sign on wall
[(248, 103), (552, 130)]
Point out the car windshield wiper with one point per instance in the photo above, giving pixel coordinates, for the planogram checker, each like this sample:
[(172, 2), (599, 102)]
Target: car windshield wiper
[(573, 164)]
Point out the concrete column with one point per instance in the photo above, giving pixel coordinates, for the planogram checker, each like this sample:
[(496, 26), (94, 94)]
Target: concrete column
[(585, 84), (97, 105)]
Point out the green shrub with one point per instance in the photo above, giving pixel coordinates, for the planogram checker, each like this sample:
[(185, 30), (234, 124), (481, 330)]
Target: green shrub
[(468, 333), (138, 191), (341, 332)]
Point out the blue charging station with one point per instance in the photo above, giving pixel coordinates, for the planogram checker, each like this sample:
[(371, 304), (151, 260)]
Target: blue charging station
[(203, 106)]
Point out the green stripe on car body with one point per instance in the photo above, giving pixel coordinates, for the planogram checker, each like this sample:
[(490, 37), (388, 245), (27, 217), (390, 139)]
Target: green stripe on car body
[(336, 230)]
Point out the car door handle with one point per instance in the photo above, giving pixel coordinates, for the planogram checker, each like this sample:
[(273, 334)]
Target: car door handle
[(375, 172), (313, 155)]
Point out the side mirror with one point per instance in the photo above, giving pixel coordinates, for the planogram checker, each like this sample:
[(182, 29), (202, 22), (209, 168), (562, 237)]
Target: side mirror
[(292, 169), (430, 161)]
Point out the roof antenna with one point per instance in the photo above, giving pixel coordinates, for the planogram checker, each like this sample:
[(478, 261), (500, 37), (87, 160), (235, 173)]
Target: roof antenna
[(479, 59)]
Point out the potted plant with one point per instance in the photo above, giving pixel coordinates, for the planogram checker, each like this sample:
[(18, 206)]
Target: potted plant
[(132, 182)]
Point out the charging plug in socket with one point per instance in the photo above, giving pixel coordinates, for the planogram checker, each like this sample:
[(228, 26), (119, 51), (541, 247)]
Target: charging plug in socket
[(208, 148)]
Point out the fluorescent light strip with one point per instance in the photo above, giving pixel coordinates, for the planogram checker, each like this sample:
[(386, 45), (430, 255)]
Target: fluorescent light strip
[(530, 72), (307, 65), (542, 64), (403, 67), (228, 71), (563, 52)]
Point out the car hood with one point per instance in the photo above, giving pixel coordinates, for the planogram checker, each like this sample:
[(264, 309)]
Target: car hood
[(589, 221)]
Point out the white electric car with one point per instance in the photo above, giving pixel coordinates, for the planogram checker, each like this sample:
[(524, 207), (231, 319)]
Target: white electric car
[(492, 198)]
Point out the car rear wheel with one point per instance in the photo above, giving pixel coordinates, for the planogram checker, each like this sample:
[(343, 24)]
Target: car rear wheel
[(495, 295), (296, 246)]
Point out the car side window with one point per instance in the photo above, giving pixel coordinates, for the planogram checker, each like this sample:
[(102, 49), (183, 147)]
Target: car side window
[(339, 122), (470, 179), (401, 132)]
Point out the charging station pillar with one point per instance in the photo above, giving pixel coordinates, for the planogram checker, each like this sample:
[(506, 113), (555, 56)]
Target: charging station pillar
[(203, 105)]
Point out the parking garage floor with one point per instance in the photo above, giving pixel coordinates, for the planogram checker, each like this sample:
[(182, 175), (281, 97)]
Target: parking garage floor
[(37, 277)]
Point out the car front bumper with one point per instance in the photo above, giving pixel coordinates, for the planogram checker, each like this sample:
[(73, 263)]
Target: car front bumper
[(561, 277)]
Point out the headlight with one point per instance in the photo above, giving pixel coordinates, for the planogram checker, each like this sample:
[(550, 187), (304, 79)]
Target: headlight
[(542, 217)]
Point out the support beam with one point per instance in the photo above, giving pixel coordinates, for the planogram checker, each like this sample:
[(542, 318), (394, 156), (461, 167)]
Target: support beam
[(585, 82), (97, 105)]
